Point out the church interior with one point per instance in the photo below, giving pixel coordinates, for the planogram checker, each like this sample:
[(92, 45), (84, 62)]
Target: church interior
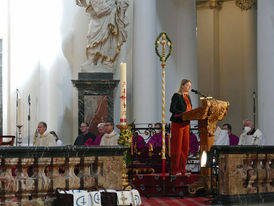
[(118, 63)]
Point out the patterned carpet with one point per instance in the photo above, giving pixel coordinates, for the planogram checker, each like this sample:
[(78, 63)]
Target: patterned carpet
[(173, 201)]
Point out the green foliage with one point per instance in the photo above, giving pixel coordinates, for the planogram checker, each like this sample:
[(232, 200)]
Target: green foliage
[(125, 138)]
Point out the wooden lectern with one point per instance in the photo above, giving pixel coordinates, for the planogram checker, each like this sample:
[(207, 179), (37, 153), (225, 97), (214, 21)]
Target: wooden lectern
[(208, 114)]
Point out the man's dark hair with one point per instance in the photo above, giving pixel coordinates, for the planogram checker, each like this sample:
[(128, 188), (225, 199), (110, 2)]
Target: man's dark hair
[(86, 123), (44, 124), (159, 124), (228, 126), (110, 121)]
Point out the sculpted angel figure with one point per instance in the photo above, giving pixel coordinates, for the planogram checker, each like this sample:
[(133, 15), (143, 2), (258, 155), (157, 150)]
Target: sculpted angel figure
[(107, 29)]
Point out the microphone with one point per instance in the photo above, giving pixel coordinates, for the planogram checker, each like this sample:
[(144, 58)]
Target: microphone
[(197, 92), (254, 95)]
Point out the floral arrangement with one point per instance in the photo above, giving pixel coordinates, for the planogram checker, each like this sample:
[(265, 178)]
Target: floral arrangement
[(125, 138)]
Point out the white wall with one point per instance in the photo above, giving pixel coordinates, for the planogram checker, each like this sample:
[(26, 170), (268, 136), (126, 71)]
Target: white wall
[(46, 43), (43, 57), (265, 68), (178, 19)]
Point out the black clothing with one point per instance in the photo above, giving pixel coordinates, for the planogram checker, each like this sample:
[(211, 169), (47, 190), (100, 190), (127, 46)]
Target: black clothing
[(253, 131), (81, 139), (178, 106)]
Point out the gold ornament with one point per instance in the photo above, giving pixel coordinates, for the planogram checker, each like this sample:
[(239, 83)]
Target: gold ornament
[(245, 4)]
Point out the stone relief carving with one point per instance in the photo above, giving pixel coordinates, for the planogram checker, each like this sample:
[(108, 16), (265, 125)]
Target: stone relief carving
[(106, 33)]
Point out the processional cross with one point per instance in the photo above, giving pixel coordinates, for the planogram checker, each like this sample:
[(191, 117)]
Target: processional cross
[(165, 42)]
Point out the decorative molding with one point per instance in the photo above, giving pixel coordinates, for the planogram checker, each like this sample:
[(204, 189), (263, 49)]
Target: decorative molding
[(215, 4), (246, 4), (95, 94), (212, 4)]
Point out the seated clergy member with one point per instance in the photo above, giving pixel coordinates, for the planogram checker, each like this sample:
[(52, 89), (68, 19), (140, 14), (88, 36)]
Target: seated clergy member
[(233, 139), (250, 135), (221, 137), (138, 141), (57, 139), (81, 139), (157, 138), (97, 141), (110, 138), (193, 143), (42, 138)]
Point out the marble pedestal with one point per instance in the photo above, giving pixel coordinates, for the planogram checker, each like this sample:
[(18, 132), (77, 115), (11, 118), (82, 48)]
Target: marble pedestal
[(95, 98), (29, 174), (244, 174)]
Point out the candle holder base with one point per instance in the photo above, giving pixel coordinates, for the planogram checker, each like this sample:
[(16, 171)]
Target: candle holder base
[(19, 139)]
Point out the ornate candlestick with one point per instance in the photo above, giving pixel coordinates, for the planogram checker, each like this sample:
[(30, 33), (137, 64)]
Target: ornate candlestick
[(125, 139), (19, 112), (19, 139)]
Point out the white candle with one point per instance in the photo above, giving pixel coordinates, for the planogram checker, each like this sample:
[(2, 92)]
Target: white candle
[(123, 92), (19, 120)]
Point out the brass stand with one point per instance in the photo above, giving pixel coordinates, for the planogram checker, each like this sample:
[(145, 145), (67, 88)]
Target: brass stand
[(125, 139), (19, 139)]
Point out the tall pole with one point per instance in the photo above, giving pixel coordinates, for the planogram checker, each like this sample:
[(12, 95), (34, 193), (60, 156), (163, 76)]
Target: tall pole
[(16, 116), (29, 121), (164, 41), (254, 108)]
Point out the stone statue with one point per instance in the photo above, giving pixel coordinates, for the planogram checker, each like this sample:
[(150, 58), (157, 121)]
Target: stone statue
[(106, 34)]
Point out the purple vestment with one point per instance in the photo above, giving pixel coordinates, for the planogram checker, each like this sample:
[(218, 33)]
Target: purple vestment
[(233, 139), (139, 141), (156, 141), (193, 144), (97, 141)]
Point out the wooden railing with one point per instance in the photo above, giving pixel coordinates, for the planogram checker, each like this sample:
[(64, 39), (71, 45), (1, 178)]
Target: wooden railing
[(32, 174)]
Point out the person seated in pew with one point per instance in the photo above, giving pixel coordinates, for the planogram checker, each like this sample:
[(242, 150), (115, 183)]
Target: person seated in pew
[(97, 141), (155, 141), (221, 137), (57, 139), (43, 138), (193, 144), (250, 135), (233, 139), (81, 139), (110, 138), (138, 144)]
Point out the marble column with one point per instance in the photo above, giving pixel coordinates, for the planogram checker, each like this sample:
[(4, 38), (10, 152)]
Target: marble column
[(178, 19), (265, 69), (208, 50), (144, 63), (1, 86)]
